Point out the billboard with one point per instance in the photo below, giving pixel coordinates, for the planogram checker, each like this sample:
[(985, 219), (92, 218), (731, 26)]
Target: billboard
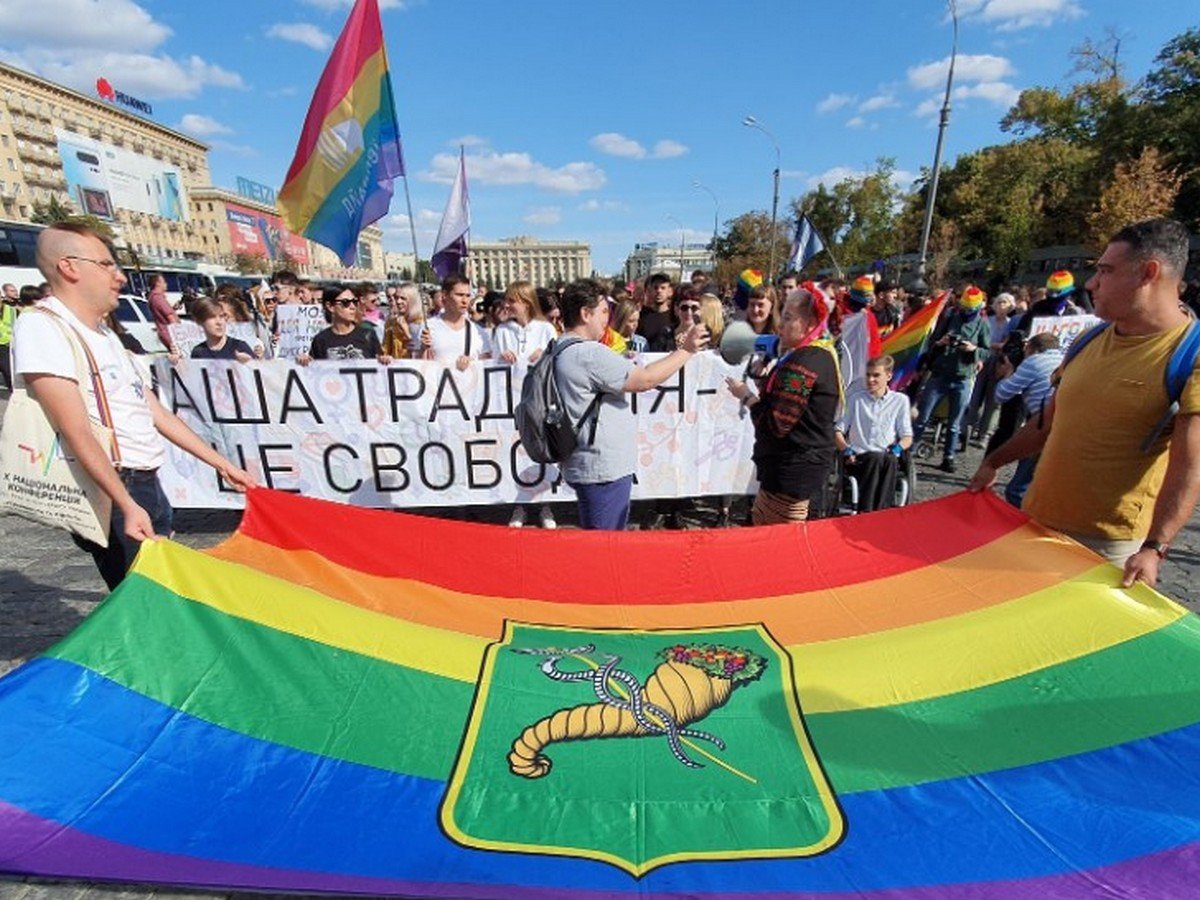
[(103, 178), (262, 234)]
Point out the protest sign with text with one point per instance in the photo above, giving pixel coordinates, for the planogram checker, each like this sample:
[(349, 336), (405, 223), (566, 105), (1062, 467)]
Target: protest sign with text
[(299, 323), (419, 433), (1067, 328), (187, 334)]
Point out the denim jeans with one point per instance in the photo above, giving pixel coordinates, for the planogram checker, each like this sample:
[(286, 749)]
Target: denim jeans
[(1014, 491), (114, 560), (958, 392), (604, 506)]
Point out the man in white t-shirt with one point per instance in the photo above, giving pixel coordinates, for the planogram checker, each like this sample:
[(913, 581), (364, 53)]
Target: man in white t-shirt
[(452, 337), (85, 282)]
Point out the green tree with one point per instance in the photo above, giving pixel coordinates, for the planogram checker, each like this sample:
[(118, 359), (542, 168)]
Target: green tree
[(1170, 94), (746, 244), (55, 210), (251, 263), (857, 217)]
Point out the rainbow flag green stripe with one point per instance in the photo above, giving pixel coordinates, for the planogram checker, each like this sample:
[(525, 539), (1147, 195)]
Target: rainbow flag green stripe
[(184, 660)]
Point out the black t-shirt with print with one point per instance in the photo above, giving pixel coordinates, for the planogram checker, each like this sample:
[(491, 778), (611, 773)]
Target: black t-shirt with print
[(361, 343), (232, 347)]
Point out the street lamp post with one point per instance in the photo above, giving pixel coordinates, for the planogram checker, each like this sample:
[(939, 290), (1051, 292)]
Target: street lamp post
[(716, 211), (682, 239), (751, 122), (919, 282)]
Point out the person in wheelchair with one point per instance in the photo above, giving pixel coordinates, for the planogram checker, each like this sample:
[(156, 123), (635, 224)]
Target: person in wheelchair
[(872, 435)]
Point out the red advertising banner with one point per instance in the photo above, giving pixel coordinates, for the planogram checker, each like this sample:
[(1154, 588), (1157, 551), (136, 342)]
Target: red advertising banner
[(262, 234)]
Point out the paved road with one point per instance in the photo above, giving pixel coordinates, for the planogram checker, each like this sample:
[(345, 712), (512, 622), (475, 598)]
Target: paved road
[(47, 587)]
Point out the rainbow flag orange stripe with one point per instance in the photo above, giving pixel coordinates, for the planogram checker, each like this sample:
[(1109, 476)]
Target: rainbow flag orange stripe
[(340, 179), (331, 700)]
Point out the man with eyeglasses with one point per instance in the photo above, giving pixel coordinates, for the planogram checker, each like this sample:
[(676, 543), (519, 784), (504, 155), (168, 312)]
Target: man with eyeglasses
[(85, 283), (286, 286)]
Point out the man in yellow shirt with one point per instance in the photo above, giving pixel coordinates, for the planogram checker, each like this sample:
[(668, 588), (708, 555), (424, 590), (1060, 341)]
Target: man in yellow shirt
[(1094, 481)]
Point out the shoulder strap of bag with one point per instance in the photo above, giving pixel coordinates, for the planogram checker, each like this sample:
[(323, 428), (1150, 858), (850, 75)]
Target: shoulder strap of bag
[(1179, 369), (557, 346), (77, 343), (1082, 341)]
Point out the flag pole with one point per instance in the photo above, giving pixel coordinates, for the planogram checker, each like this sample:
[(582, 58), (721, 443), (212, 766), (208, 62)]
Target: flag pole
[(412, 227), (825, 247)]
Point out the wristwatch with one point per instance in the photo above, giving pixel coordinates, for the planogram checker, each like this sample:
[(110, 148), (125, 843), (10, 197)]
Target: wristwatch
[(1159, 547)]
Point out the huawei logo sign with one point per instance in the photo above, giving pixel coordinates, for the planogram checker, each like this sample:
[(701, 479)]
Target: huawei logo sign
[(105, 90)]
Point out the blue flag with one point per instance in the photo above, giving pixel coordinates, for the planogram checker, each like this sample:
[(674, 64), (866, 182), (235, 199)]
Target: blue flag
[(805, 246)]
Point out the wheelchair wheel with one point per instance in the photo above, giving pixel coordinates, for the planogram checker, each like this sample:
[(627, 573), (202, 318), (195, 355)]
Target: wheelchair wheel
[(923, 450)]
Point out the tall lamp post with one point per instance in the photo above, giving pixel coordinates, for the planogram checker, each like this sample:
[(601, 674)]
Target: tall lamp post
[(919, 283), (682, 239), (716, 210), (751, 122)]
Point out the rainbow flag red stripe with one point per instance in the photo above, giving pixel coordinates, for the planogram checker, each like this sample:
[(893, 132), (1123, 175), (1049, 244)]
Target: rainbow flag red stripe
[(906, 344), (340, 700), (349, 151)]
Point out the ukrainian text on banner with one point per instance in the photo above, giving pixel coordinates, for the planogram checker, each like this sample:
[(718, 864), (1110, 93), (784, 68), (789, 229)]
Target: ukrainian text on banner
[(422, 434)]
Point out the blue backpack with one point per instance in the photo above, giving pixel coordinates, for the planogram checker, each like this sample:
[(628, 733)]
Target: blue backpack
[(1179, 369)]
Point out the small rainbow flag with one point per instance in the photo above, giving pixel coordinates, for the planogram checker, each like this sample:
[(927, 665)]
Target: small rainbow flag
[(331, 701), (340, 180), (906, 344), (748, 280)]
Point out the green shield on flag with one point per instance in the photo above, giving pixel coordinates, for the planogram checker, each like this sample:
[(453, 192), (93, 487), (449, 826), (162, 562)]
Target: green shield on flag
[(639, 748)]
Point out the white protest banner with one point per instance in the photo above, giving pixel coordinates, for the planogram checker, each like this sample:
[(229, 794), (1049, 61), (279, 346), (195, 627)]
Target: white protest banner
[(418, 433), (187, 334), (299, 323), (1066, 327)]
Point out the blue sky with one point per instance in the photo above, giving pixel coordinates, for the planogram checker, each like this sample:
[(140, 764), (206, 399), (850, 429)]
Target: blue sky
[(590, 121)]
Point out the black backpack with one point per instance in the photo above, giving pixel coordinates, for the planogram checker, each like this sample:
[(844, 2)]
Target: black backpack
[(546, 430)]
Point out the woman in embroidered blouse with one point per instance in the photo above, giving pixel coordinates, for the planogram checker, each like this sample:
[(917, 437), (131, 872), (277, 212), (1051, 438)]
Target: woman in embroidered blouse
[(793, 412)]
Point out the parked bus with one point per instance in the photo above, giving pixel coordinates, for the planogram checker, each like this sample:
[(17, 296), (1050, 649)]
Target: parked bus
[(18, 262)]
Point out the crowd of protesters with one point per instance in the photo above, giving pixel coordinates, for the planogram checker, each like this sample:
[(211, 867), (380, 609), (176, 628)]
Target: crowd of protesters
[(817, 386)]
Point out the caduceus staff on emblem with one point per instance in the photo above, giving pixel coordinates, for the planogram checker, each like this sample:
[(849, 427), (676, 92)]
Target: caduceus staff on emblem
[(689, 683)]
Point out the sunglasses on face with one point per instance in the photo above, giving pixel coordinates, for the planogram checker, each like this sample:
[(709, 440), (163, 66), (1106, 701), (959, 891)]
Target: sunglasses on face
[(351, 302), (689, 307)]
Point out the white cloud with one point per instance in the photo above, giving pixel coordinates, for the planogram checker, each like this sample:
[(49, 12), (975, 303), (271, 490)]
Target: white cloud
[(999, 92), (793, 174), (671, 238), (202, 126), (80, 24), (594, 205), (830, 177), (396, 231), (1014, 15), (301, 33), (856, 122), (968, 67), (543, 215), (494, 168), (616, 144), (928, 107), (71, 41), (468, 140), (668, 149), (834, 102), (142, 75), (879, 101), (235, 149)]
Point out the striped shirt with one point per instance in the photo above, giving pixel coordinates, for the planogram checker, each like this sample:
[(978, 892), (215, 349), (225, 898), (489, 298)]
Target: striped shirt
[(1031, 381)]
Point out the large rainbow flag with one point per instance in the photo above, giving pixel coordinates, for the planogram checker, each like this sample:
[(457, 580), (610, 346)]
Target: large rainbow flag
[(942, 701), (340, 180), (907, 343)]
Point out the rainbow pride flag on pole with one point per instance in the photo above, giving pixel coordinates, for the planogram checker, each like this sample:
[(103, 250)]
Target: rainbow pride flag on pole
[(340, 180), (907, 343), (939, 702)]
